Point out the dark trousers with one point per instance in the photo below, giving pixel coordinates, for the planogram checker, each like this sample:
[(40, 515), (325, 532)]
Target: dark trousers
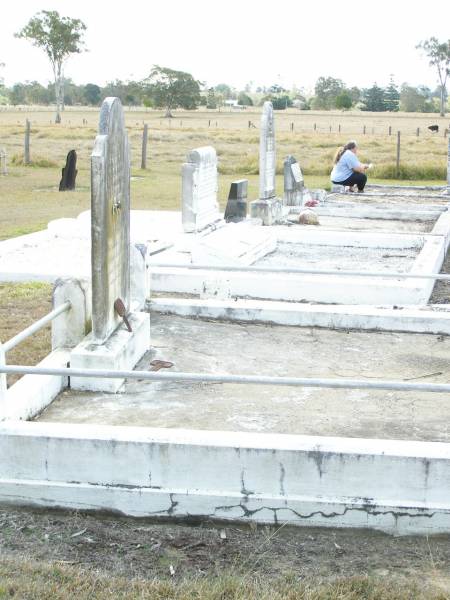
[(359, 179)]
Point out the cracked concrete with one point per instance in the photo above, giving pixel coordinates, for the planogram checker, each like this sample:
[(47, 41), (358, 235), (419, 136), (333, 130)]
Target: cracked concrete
[(217, 347)]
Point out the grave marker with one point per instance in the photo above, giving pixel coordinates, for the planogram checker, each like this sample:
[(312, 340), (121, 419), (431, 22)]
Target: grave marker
[(268, 207), (236, 209), (200, 207), (69, 172), (110, 213), (293, 182)]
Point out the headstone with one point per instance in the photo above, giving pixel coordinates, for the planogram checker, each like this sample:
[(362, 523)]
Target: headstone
[(3, 162), (110, 214), (236, 209), (200, 207), (69, 172), (267, 155), (293, 182), (268, 207), (119, 338)]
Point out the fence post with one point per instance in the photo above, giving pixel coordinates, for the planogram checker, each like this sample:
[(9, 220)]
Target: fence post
[(2, 379), (315, 126), (26, 148), (292, 126), (364, 130), (144, 147), (390, 130), (398, 155), (339, 128), (418, 131)]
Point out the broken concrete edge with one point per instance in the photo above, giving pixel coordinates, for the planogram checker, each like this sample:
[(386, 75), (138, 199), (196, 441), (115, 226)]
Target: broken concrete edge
[(412, 319), (239, 476)]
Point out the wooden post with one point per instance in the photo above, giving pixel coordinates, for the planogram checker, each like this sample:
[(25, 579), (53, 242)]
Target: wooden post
[(292, 126), (26, 148), (315, 127), (398, 155), (418, 131), (364, 130), (144, 147), (339, 128), (390, 130), (330, 128)]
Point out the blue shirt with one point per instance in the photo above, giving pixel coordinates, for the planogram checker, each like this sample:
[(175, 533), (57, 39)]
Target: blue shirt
[(344, 167)]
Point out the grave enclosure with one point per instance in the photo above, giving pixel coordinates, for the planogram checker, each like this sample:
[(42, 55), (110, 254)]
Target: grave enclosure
[(310, 380)]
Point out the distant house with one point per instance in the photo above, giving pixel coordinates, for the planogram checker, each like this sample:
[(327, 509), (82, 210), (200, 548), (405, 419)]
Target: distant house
[(233, 104)]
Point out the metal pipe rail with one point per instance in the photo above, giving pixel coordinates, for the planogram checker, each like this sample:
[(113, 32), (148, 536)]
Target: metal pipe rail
[(222, 378), (295, 271), (36, 326)]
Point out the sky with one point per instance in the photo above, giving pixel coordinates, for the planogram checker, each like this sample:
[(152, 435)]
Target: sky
[(292, 42)]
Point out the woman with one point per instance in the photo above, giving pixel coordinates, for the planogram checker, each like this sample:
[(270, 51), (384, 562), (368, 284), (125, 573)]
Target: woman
[(347, 169)]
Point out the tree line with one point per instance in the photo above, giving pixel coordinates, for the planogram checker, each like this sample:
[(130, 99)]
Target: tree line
[(60, 37)]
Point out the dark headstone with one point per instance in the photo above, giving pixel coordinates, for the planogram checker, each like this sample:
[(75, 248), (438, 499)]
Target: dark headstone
[(236, 209), (69, 172)]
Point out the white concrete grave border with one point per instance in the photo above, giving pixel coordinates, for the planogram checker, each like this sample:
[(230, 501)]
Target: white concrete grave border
[(320, 288), (398, 487)]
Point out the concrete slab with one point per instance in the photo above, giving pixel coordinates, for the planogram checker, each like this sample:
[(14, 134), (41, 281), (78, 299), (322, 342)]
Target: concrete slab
[(205, 347)]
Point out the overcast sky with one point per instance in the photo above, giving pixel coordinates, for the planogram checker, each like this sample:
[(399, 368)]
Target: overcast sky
[(236, 41)]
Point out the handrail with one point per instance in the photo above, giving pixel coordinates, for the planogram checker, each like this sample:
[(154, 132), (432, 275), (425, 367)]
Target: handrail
[(223, 378), (296, 271), (36, 326)]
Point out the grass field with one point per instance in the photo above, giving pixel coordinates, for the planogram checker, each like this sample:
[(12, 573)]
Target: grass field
[(29, 196)]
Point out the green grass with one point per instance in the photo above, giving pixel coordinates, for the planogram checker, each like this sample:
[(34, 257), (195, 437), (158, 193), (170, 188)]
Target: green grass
[(28, 579)]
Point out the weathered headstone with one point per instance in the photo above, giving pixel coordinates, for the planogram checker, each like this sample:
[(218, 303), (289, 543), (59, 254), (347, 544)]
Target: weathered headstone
[(293, 182), (3, 162), (69, 172), (236, 209), (268, 207), (200, 207), (111, 344), (110, 214)]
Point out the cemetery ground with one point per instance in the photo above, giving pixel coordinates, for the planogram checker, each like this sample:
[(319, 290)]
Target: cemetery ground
[(51, 554)]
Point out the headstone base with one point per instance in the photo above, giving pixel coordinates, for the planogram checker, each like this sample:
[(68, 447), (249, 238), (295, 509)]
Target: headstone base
[(121, 351), (337, 188), (270, 210)]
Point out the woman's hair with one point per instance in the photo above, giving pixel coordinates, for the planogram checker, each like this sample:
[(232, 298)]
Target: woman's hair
[(340, 151)]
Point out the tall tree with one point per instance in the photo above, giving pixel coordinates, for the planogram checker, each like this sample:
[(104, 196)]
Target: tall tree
[(391, 96), (373, 99), (171, 89), (59, 37), (439, 55)]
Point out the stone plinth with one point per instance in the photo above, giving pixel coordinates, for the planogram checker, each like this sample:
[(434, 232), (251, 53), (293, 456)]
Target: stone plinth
[(269, 210), (121, 353)]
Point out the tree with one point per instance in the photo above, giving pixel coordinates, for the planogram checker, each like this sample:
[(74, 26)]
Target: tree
[(59, 37), (211, 101), (170, 89), (344, 100), (92, 94), (439, 55), (373, 99), (244, 99), (391, 97), (326, 91), (225, 90), (416, 99)]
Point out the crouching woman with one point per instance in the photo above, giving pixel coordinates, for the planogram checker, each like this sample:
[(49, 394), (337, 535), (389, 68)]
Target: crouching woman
[(347, 170)]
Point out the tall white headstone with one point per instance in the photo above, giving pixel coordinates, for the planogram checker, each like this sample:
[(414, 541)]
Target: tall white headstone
[(268, 207), (267, 154), (200, 207), (110, 213), (119, 338)]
